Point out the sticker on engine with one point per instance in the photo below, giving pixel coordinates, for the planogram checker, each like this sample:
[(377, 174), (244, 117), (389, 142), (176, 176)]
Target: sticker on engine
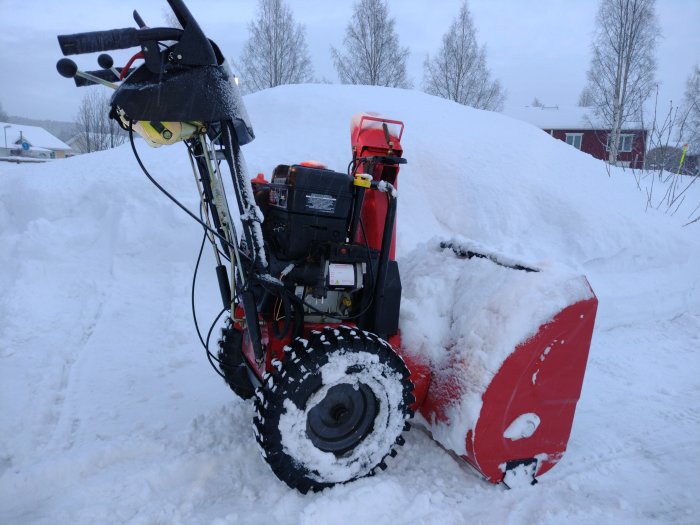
[(320, 202), (278, 197), (341, 274)]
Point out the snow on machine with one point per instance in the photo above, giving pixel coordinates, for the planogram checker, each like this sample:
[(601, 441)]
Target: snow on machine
[(312, 292)]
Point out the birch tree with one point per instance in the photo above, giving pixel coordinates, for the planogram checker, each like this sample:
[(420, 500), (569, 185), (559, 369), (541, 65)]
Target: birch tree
[(585, 99), (96, 131), (621, 74), (458, 72), (690, 129), (276, 52), (371, 53)]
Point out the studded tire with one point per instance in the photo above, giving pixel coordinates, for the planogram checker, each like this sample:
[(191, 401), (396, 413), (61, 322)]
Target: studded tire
[(334, 409), (231, 364)]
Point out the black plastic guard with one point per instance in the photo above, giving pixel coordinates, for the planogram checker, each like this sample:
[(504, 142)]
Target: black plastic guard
[(520, 472), (203, 94)]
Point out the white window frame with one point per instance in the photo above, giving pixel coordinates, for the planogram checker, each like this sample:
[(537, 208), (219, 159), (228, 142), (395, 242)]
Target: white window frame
[(573, 137), (626, 139)]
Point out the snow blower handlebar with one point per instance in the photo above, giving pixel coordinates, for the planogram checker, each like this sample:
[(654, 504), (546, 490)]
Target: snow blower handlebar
[(193, 48), (184, 91), (96, 41)]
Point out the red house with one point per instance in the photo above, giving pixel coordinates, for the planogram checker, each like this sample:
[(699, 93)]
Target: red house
[(576, 126)]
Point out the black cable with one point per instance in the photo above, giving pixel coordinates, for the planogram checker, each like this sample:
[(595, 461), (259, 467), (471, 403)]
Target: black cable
[(193, 154), (354, 164), (369, 257), (194, 281), (211, 356), (168, 195)]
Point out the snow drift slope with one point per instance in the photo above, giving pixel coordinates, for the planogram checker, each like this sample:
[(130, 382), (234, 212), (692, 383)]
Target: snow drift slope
[(110, 413)]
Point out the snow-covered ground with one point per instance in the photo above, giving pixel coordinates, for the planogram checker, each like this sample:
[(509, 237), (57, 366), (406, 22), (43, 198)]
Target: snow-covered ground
[(111, 414)]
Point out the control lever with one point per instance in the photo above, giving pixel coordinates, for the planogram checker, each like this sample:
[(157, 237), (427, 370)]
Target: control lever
[(139, 21), (107, 62), (69, 69)]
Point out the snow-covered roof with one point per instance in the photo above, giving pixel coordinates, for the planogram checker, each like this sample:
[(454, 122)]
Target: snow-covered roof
[(559, 117), (37, 137)]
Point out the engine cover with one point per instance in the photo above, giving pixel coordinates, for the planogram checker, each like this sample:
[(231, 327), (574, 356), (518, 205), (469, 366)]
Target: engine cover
[(307, 206)]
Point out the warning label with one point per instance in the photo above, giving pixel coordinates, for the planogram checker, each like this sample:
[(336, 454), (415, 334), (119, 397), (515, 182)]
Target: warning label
[(341, 274), (320, 202)]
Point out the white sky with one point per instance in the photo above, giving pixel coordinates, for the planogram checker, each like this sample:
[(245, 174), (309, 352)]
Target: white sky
[(537, 48)]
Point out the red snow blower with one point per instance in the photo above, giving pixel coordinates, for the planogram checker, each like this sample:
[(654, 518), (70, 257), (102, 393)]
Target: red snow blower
[(311, 289)]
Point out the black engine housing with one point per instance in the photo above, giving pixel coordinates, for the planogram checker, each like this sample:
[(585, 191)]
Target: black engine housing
[(306, 208)]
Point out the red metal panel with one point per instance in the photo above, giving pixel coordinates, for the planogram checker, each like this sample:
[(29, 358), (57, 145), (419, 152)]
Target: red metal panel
[(419, 368), (543, 376)]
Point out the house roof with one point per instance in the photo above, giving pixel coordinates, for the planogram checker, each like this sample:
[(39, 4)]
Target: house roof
[(556, 117), (37, 137)]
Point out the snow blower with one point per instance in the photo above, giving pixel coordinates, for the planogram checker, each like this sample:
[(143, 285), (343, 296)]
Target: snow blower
[(311, 289)]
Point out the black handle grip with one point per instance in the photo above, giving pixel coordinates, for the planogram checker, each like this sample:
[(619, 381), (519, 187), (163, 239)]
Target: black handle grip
[(95, 41)]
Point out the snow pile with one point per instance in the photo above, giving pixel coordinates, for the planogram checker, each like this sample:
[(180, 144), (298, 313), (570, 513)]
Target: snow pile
[(111, 414)]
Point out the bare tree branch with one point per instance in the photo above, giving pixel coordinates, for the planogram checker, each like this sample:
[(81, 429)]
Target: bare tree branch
[(96, 131), (276, 52), (667, 181), (621, 75), (690, 128), (371, 54), (458, 72)]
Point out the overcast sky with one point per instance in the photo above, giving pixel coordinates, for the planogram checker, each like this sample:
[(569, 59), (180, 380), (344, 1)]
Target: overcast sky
[(536, 48)]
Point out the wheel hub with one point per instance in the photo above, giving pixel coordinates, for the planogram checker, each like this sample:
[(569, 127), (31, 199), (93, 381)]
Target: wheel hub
[(343, 418)]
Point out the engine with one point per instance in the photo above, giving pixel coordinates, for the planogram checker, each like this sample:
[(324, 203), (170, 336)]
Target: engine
[(308, 214)]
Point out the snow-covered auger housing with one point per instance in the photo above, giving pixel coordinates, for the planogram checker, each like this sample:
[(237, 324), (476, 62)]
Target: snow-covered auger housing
[(311, 290)]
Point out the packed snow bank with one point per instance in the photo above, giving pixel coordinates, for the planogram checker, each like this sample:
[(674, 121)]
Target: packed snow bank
[(499, 182), (110, 413)]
